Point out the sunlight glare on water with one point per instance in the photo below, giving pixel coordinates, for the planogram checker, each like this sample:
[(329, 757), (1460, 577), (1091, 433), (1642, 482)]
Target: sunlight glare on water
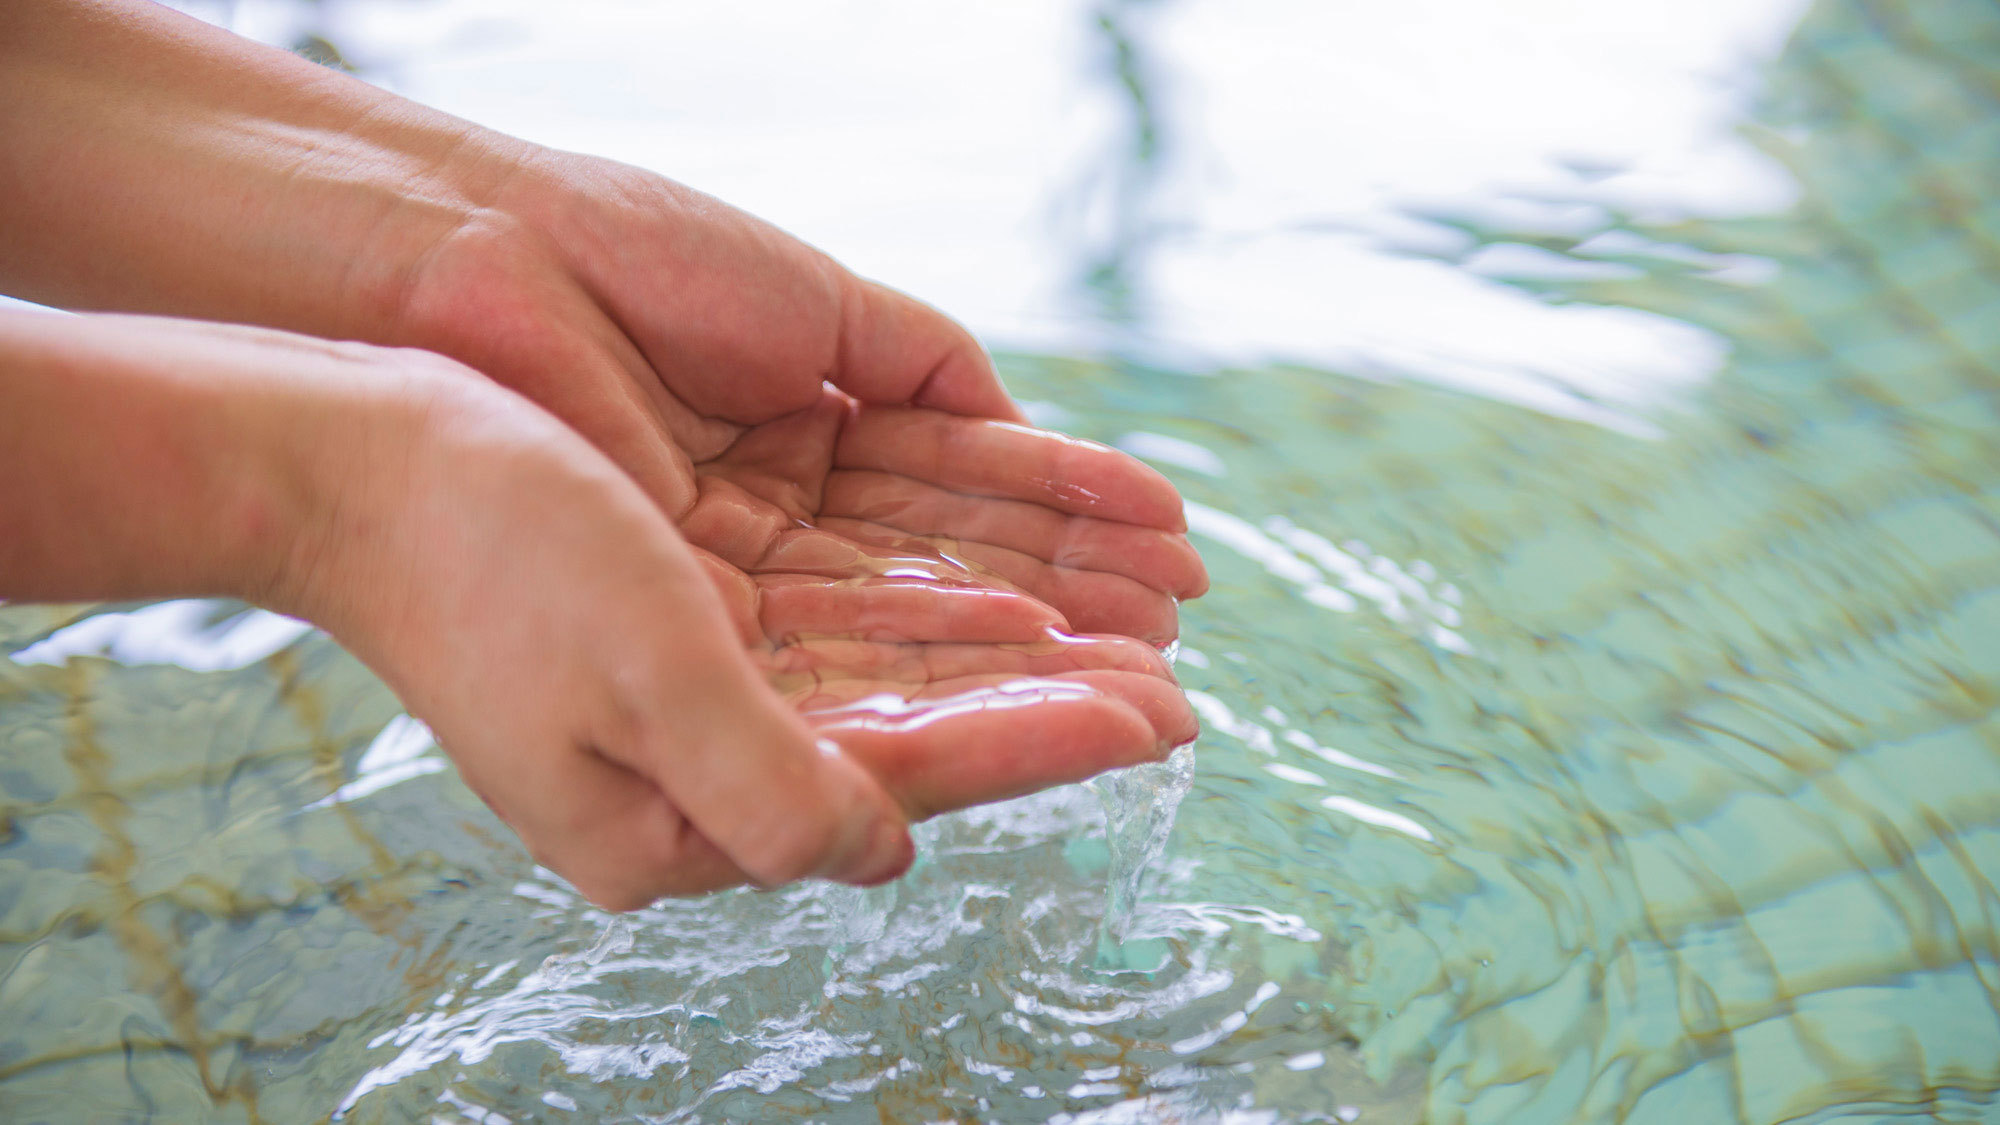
[(1580, 743)]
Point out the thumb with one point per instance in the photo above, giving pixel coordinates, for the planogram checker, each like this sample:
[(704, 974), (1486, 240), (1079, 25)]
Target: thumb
[(895, 349)]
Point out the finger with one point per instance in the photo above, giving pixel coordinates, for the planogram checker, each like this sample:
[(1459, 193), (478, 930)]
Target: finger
[(782, 462), (608, 830), (754, 536), (893, 706), (1093, 601), (768, 795), (899, 610), (896, 349), (824, 553), (1163, 560), (615, 416), (800, 666), (618, 839), (990, 458), (736, 593), (694, 716), (954, 748), (728, 521)]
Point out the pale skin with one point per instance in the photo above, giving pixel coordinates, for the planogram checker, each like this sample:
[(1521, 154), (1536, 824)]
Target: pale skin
[(707, 561)]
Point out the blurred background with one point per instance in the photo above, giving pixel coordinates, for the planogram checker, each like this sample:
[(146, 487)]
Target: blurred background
[(1199, 181)]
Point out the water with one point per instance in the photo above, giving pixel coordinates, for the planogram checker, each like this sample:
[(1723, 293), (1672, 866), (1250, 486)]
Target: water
[(1582, 758)]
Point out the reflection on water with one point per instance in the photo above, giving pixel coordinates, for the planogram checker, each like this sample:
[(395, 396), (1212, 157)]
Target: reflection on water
[(1553, 771)]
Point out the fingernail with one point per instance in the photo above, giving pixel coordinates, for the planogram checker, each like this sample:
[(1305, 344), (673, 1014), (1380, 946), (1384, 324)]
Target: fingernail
[(890, 853)]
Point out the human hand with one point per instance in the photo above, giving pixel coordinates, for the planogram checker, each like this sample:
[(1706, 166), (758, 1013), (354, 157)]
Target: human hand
[(527, 601), (655, 320), (914, 622), (516, 589), (530, 603), (719, 361), (663, 326)]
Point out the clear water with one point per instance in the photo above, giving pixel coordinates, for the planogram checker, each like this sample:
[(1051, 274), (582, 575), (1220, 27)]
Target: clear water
[(1639, 769)]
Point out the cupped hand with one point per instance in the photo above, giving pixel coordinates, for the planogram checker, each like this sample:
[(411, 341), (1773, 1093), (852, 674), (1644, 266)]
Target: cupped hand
[(963, 603), (963, 607), (647, 737), (914, 581), (899, 618)]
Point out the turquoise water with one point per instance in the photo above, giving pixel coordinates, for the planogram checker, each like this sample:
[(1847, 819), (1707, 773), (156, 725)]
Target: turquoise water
[(1640, 769)]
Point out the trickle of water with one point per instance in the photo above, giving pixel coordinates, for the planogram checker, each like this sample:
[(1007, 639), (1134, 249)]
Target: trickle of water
[(1139, 806), (616, 939)]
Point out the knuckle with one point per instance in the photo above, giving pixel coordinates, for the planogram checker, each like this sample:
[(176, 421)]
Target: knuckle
[(655, 857), (632, 860), (791, 846), (624, 886)]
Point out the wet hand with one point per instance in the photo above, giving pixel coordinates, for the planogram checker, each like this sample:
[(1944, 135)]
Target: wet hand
[(850, 463), (526, 598), (646, 737), (965, 605)]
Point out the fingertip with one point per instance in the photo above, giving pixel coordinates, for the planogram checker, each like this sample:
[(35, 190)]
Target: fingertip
[(878, 847), (1181, 573), (1195, 583), (895, 349), (889, 857), (967, 382), (1165, 506), (1160, 702), (1141, 742)]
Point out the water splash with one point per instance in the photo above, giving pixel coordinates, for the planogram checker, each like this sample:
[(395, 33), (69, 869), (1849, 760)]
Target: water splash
[(1139, 806)]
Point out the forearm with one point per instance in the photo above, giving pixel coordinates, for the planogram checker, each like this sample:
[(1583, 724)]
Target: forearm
[(148, 458), (150, 162)]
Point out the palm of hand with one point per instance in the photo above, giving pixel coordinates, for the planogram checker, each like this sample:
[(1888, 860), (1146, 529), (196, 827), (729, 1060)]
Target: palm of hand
[(913, 581), (967, 608)]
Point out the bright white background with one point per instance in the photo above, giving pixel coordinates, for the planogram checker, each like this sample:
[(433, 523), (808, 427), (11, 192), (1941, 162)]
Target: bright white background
[(981, 156)]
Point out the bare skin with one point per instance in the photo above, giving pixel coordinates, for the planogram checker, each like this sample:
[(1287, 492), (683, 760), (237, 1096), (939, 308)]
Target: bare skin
[(800, 578)]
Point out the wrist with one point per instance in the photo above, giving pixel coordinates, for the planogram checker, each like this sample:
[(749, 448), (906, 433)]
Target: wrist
[(350, 476), (154, 458), (162, 165)]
